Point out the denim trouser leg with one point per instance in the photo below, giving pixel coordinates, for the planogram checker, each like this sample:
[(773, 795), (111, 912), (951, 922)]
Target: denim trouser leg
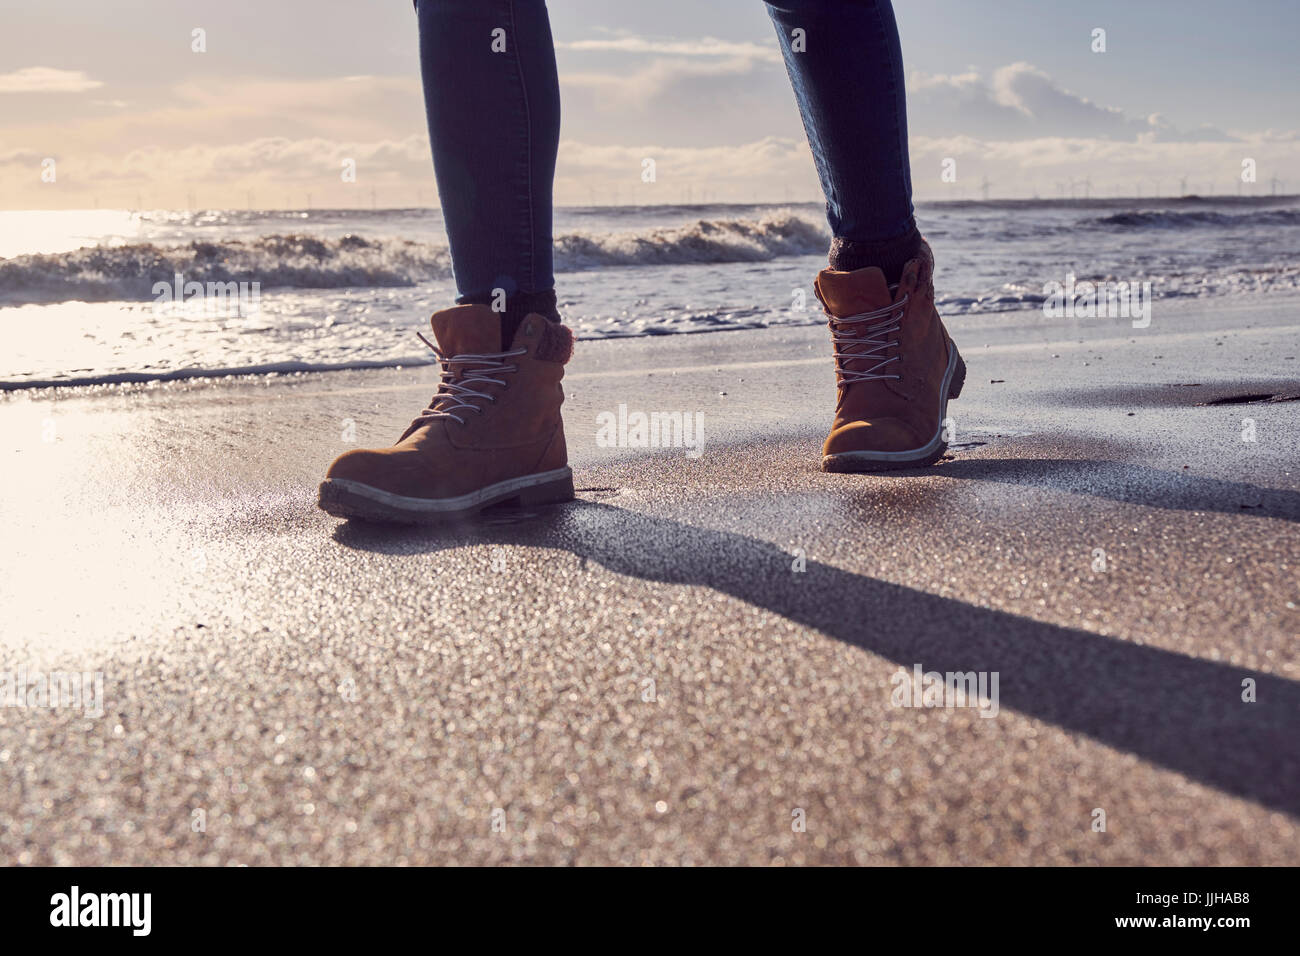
[(848, 81), (493, 104)]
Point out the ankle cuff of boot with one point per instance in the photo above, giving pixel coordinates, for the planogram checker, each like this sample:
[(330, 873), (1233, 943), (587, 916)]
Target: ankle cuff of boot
[(556, 344)]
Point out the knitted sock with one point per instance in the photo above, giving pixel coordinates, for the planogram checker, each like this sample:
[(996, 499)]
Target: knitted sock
[(518, 306), (890, 256)]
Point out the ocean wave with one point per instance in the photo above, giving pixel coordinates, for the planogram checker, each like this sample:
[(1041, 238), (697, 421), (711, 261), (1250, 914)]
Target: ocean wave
[(129, 272), (704, 241), (1178, 219)]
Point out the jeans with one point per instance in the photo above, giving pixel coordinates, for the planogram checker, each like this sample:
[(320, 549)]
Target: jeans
[(493, 105)]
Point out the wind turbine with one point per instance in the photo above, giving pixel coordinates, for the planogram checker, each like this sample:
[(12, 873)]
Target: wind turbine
[(1182, 185), (1274, 183), (984, 188), (1087, 186)]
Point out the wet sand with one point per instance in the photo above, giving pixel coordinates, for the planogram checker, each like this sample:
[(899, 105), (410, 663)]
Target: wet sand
[(699, 653)]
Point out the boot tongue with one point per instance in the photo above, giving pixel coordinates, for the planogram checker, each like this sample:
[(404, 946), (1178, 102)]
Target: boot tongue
[(467, 330), (464, 330), (851, 293), (846, 294)]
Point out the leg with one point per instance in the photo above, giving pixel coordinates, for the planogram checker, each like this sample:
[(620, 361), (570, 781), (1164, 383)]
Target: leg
[(492, 433), (493, 104), (846, 67), (895, 365)]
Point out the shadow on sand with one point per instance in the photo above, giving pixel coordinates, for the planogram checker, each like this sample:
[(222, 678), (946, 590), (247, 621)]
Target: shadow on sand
[(1129, 484), (1181, 712)]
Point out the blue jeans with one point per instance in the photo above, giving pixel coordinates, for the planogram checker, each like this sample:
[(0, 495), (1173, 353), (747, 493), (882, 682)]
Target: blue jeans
[(494, 123)]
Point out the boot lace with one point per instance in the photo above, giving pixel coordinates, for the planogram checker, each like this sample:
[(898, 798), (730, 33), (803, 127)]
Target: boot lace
[(460, 373), (875, 336)]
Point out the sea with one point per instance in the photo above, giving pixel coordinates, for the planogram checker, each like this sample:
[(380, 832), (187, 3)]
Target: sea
[(97, 297)]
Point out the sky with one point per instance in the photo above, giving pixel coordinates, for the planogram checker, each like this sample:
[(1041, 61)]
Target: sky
[(108, 104)]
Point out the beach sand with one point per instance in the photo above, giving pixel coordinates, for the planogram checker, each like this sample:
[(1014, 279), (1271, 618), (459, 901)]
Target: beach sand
[(338, 693)]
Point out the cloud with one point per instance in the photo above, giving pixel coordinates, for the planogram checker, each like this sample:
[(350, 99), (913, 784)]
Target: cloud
[(691, 67), (1021, 101), (298, 162), (618, 90), (666, 81), (770, 168), (771, 156), (717, 118), (711, 91), (44, 79), (1031, 91), (20, 157), (1048, 165), (222, 110), (702, 47)]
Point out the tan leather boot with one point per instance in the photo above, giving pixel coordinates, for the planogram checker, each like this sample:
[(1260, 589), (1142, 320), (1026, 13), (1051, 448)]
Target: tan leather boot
[(491, 434), (895, 366)]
